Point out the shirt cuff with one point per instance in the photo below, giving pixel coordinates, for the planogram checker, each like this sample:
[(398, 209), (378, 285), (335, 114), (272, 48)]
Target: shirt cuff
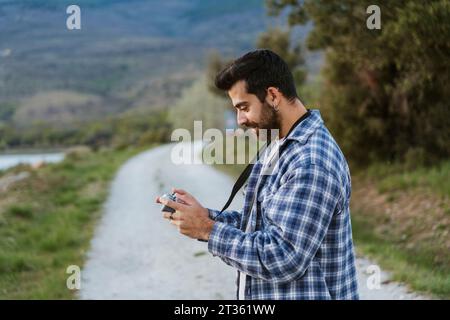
[(220, 236), (213, 213)]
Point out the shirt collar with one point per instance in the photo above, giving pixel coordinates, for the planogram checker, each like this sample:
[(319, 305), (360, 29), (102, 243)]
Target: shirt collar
[(305, 129)]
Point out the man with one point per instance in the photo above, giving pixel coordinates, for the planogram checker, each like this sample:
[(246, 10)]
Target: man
[(293, 238)]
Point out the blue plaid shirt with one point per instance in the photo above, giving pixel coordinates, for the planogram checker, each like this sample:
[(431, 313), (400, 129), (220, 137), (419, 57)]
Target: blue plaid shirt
[(300, 246)]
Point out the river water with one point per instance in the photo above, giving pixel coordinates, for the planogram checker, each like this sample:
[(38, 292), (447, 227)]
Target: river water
[(10, 160)]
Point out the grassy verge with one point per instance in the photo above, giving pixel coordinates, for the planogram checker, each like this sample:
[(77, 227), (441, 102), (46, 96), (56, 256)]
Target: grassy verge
[(393, 178), (413, 266), (47, 221), (401, 219)]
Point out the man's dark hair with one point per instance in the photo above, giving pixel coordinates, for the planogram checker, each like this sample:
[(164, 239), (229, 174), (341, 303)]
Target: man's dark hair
[(260, 69)]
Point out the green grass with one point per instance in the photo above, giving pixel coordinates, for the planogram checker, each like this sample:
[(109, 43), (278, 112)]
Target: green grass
[(394, 177), (413, 266), (200, 253), (50, 223), (418, 255)]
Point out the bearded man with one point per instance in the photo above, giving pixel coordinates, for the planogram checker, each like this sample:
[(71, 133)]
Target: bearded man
[(293, 237)]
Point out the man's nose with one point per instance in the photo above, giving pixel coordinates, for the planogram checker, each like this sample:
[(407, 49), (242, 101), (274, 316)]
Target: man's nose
[(241, 119)]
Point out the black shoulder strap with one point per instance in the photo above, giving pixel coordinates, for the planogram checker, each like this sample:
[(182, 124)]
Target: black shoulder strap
[(243, 177), (238, 185), (240, 182)]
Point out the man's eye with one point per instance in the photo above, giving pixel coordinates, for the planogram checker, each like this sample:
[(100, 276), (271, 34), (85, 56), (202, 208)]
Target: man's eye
[(241, 108)]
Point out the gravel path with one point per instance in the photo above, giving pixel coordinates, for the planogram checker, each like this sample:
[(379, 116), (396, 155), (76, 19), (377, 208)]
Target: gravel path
[(136, 254)]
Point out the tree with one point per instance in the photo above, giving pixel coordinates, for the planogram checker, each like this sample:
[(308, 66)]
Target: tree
[(198, 104), (386, 91), (215, 64)]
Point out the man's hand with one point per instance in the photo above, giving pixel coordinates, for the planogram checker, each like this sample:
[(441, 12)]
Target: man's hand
[(191, 218)]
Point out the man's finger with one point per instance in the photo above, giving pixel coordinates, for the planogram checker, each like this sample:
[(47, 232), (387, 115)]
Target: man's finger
[(179, 191), (172, 216), (172, 204), (180, 199), (183, 193), (186, 197)]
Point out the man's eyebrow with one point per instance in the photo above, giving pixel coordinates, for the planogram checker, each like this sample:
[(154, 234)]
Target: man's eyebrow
[(240, 104)]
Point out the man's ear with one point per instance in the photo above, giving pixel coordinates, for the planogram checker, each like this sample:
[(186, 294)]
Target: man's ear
[(273, 97)]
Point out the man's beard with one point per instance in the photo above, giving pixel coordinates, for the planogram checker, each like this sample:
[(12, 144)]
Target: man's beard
[(269, 120)]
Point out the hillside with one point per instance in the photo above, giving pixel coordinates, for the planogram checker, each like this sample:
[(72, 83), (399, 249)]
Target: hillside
[(129, 55)]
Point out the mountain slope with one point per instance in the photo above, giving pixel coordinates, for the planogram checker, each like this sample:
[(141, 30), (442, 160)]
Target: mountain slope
[(128, 54)]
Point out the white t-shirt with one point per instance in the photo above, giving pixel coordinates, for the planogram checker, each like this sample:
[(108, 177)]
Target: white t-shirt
[(271, 152)]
